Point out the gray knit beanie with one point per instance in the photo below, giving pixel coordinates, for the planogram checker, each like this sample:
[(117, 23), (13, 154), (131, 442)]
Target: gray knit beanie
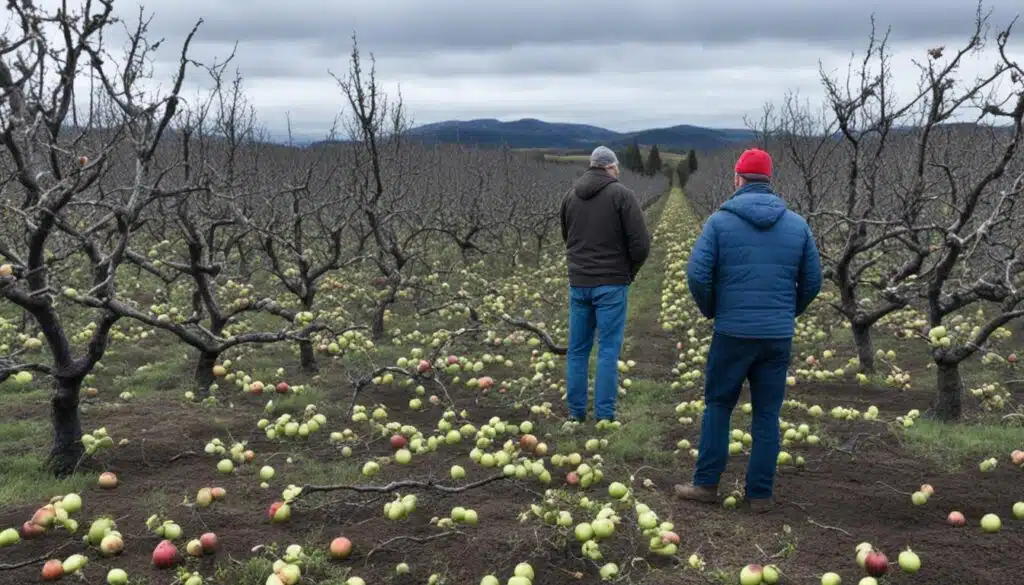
[(603, 157)]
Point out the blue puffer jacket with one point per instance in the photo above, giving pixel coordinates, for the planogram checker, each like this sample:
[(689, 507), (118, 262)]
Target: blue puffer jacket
[(755, 266)]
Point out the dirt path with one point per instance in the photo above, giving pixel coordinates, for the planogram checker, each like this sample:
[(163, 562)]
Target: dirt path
[(652, 348)]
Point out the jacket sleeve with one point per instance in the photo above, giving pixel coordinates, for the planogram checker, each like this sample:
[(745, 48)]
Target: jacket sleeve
[(561, 216), (809, 280), (700, 270), (634, 226)]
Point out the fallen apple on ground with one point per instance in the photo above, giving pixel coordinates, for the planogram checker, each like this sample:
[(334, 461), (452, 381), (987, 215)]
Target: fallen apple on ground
[(876, 564), (165, 555), (751, 575), (107, 480), (909, 562), (991, 523), (341, 548)]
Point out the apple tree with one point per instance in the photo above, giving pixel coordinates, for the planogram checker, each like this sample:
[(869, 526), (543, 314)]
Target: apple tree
[(77, 178)]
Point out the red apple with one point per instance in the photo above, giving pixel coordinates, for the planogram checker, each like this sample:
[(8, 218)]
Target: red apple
[(398, 442), (209, 542), (44, 516), (1012, 358), (453, 360), (423, 367), (282, 388), (219, 492), (53, 569), (956, 518), (486, 382), (528, 442), (165, 555), (273, 509), (1017, 457), (83, 160), (669, 538), (30, 530), (928, 489), (876, 563), (341, 547), (108, 480), (572, 478), (256, 388)]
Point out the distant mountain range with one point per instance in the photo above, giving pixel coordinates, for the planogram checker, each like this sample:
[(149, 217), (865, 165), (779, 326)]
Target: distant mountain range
[(532, 133)]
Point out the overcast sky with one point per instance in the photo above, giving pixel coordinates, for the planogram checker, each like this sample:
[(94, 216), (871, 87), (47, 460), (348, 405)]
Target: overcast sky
[(620, 64)]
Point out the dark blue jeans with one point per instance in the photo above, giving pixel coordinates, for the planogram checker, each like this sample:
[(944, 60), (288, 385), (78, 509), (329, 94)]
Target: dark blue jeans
[(601, 309), (764, 362)]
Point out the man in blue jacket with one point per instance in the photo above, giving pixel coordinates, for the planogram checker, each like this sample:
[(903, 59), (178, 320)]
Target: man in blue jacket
[(754, 268)]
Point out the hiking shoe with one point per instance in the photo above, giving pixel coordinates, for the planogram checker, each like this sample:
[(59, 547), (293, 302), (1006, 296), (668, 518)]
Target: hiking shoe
[(706, 494), (761, 505)]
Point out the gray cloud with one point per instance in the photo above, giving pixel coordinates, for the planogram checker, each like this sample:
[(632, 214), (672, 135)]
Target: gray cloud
[(623, 65), (416, 25)]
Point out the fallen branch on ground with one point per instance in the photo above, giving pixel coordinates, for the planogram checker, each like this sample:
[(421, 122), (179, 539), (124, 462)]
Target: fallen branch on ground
[(883, 484), (44, 558), (398, 485), (826, 527), (544, 336), (416, 539)]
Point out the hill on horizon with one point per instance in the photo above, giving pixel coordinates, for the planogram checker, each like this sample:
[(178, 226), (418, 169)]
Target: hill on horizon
[(538, 134)]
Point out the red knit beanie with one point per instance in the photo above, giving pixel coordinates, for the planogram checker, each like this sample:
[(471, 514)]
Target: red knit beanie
[(755, 164)]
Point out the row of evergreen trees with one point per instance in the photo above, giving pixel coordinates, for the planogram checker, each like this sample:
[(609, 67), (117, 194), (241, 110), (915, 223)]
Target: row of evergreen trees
[(633, 159)]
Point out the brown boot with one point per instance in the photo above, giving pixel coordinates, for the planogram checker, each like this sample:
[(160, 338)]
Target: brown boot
[(707, 494), (761, 505)]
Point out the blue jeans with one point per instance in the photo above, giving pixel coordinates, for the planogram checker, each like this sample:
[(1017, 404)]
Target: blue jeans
[(600, 308), (731, 360)]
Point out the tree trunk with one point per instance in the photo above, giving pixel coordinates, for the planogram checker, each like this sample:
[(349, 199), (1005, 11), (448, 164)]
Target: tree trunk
[(204, 377), (67, 448), (949, 391), (307, 357), (377, 328), (865, 348)]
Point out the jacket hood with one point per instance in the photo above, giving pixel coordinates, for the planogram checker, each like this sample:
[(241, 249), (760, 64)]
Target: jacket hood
[(757, 204), (591, 182)]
